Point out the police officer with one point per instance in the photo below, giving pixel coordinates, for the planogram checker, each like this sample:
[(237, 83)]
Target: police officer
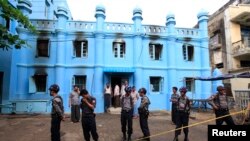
[(57, 112), (88, 104), (143, 114), (174, 98), (127, 113), (182, 114), (219, 103)]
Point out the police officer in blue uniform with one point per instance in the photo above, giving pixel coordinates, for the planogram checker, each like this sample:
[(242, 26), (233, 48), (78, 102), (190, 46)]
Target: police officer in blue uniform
[(57, 112), (182, 114), (219, 102), (127, 114), (87, 105), (144, 113)]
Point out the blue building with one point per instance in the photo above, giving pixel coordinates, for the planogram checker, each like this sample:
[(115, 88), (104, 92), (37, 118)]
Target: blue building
[(92, 53)]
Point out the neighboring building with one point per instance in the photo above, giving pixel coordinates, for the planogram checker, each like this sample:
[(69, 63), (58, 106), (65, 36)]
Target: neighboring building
[(229, 31), (90, 54)]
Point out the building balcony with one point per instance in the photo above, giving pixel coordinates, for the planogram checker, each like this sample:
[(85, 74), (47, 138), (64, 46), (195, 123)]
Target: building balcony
[(215, 46), (241, 49), (242, 18)]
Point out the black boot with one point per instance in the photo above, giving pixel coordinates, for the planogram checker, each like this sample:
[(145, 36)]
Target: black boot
[(186, 137), (124, 137), (129, 137), (175, 138)]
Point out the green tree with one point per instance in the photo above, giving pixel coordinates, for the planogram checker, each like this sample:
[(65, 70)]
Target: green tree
[(7, 39)]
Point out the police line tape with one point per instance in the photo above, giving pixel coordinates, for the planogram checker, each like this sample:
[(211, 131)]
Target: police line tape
[(198, 123)]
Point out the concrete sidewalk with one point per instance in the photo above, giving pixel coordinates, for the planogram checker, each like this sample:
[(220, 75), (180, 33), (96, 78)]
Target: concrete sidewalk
[(37, 127)]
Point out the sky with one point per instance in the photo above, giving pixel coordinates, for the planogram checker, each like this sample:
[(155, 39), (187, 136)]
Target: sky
[(154, 12)]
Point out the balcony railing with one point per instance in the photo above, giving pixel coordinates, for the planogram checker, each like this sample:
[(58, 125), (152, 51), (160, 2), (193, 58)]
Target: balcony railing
[(44, 24), (187, 32), (114, 28), (240, 47)]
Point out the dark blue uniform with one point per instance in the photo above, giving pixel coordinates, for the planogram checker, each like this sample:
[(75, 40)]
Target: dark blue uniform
[(220, 101), (143, 114), (88, 119), (56, 117), (127, 115), (182, 116)]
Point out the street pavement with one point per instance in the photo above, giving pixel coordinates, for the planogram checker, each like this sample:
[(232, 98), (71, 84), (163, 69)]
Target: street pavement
[(36, 127)]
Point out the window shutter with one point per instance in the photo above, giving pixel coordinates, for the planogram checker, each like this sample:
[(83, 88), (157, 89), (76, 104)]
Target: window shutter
[(162, 84), (32, 85), (149, 85), (49, 46), (72, 81), (74, 48)]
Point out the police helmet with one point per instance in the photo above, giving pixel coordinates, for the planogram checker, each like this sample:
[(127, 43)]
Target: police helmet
[(142, 90), (183, 89), (128, 89), (54, 87)]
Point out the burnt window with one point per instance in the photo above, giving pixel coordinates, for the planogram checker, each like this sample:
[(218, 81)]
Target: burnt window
[(43, 48), (37, 83), (80, 49), (188, 52), (156, 84), (190, 84), (79, 81), (155, 51), (119, 49)]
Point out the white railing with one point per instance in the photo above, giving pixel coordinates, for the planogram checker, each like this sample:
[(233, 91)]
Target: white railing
[(152, 29), (44, 24), (81, 26), (187, 32), (118, 27)]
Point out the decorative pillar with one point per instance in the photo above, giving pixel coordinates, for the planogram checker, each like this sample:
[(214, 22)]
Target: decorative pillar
[(62, 17), (204, 52), (171, 51), (137, 60), (99, 49), (25, 7)]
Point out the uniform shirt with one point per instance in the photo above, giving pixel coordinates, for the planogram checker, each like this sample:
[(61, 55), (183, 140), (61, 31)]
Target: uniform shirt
[(126, 102), (183, 104), (85, 108), (74, 98), (219, 100), (57, 106), (174, 98), (144, 102)]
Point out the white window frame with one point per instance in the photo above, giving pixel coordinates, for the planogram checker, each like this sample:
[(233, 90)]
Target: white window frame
[(119, 49), (186, 48), (83, 49), (33, 88), (152, 51), (80, 86), (190, 84), (160, 84)]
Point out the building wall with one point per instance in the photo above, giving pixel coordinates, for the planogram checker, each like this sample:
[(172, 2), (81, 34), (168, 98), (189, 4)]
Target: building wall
[(100, 66), (231, 34)]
